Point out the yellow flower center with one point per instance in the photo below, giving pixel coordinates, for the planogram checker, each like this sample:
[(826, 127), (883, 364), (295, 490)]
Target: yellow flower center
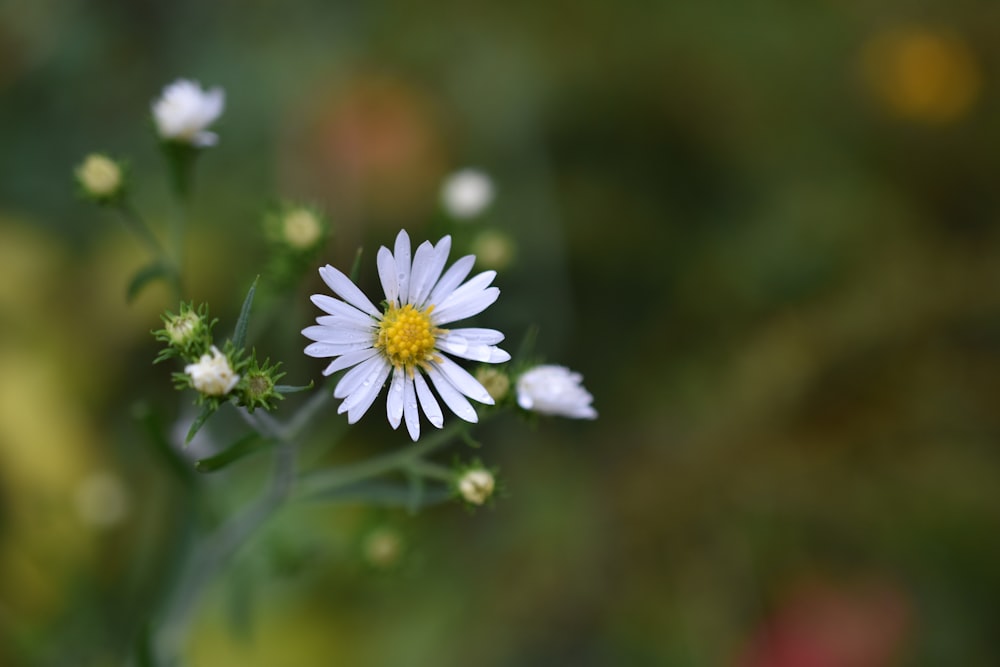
[(406, 336)]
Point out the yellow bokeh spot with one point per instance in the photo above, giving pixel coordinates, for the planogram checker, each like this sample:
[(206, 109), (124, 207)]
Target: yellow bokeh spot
[(406, 336), (922, 74)]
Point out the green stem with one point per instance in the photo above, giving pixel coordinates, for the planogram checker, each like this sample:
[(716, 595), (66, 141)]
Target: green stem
[(211, 556), (321, 482), (431, 470), (134, 222)]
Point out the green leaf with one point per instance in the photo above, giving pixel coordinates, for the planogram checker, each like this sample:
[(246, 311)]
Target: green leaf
[(240, 334), (206, 412), (245, 446), (143, 277), (289, 389)]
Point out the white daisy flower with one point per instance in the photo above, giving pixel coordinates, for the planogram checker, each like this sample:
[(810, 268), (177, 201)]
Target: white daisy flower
[(184, 111), (555, 390), (407, 340)]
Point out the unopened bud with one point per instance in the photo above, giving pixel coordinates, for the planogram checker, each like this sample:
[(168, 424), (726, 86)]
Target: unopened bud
[(476, 485)]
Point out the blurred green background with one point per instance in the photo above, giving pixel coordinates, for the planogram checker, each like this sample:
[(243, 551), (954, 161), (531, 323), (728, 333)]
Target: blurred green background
[(766, 233)]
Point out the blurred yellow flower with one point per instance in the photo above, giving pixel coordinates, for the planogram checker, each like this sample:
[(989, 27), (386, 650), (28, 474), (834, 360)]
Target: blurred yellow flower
[(922, 74)]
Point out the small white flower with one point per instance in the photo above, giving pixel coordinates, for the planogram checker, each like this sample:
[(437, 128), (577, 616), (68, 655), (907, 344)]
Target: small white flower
[(476, 486), (555, 390), (184, 111), (212, 375), (407, 340), (467, 193)]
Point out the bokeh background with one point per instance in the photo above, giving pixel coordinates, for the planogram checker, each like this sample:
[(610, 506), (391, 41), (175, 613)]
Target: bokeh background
[(765, 232)]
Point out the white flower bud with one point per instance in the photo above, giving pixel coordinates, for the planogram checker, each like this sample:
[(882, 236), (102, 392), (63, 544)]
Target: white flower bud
[(184, 111), (476, 485), (467, 193), (100, 176), (212, 375), (555, 390)]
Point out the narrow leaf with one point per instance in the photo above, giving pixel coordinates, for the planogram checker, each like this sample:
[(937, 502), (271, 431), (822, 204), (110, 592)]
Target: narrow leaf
[(289, 389), (206, 412), (245, 446), (143, 277), (240, 335)]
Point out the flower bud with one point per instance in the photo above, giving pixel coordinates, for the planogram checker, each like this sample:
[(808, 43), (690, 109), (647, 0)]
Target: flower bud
[(212, 375), (100, 177), (476, 485), (299, 228), (495, 381), (383, 547), (467, 193), (258, 389), (493, 249), (555, 390)]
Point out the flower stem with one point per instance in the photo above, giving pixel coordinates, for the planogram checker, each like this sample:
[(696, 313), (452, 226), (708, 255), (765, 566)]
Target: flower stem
[(211, 556), (322, 482)]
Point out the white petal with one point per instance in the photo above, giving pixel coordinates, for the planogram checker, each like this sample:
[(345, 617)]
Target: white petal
[(337, 307), (473, 285), (427, 266), (367, 396), (427, 401), (463, 381), (205, 139), (498, 356), (355, 377), (321, 350), (452, 278), (347, 324), (468, 306), (346, 290), (387, 274), (410, 413), (452, 397), (348, 360), (478, 336), (325, 333), (394, 403), (402, 257), (473, 344)]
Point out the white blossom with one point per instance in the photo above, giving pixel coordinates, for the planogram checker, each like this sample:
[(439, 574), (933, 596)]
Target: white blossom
[(467, 193), (212, 375), (555, 390), (406, 341), (184, 111)]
